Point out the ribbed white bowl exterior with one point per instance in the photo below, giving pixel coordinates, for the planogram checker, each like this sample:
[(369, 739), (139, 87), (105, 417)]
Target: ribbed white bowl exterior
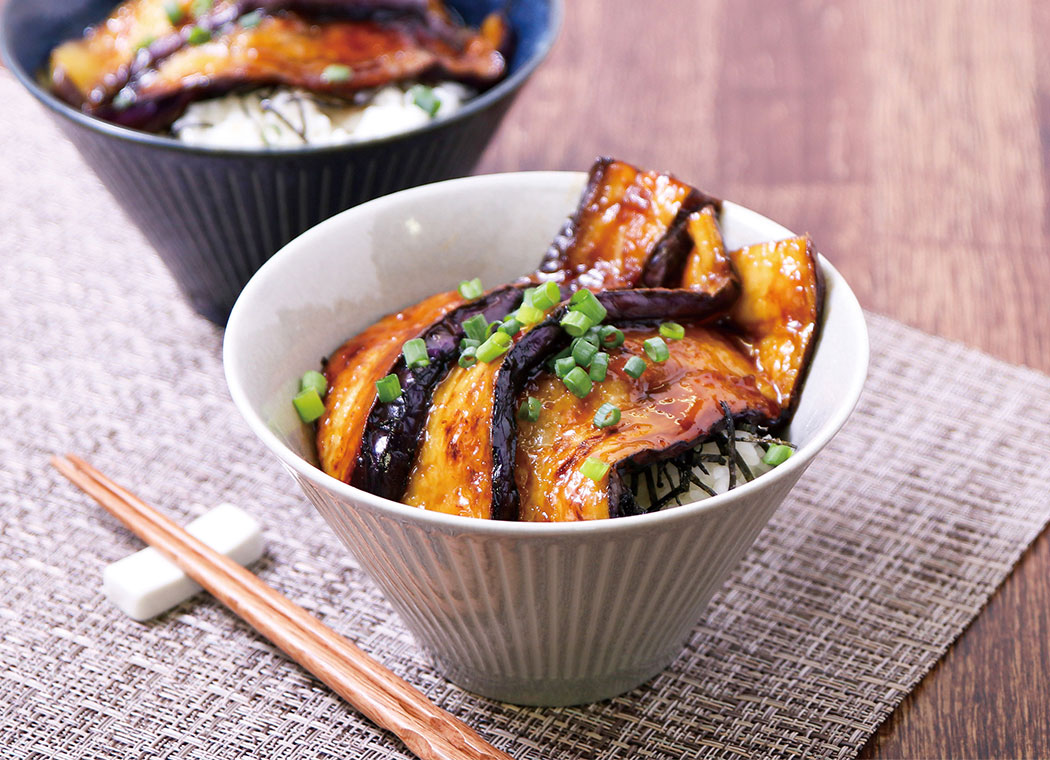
[(526, 613), (531, 620)]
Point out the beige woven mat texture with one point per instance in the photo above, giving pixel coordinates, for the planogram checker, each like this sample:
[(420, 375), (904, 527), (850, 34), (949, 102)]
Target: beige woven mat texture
[(884, 552)]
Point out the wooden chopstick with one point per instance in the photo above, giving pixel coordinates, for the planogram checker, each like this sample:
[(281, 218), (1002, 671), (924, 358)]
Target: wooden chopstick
[(387, 700)]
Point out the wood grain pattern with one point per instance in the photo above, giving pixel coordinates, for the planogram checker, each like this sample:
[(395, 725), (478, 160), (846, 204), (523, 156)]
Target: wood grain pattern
[(912, 140)]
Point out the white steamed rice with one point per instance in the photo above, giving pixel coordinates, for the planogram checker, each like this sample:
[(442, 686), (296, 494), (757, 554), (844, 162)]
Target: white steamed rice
[(717, 477), (282, 117)]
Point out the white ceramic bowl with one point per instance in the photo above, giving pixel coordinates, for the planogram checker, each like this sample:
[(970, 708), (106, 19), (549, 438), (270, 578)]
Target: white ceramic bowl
[(544, 614)]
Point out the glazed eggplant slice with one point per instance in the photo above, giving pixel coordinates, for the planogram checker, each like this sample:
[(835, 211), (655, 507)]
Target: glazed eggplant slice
[(524, 361), (628, 230), (352, 372), (779, 313), (88, 71), (452, 472), (673, 406), (290, 50), (707, 267), (393, 430)]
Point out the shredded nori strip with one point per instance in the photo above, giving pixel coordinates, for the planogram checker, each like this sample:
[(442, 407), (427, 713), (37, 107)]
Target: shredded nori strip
[(725, 439), (702, 486), (650, 484)]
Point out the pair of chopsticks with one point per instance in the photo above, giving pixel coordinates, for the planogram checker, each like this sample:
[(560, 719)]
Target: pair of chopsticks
[(387, 700)]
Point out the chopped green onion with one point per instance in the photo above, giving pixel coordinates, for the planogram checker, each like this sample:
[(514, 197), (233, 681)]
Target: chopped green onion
[(776, 454), (174, 11), (471, 289), (672, 330), (656, 349), (251, 20), (476, 328), (564, 366), (309, 404), (415, 352), (199, 7), (510, 326), (388, 389), (576, 323), (611, 337), (528, 314), (469, 357), (494, 346), (546, 295), (635, 366), (466, 343), (335, 73), (578, 381), (552, 361), (530, 408), (583, 352), (585, 302), (599, 367), (198, 35), (313, 379), (606, 415), (593, 335), (594, 468), (425, 98)]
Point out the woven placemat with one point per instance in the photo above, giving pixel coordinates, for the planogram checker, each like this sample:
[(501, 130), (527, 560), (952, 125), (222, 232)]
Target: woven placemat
[(884, 552)]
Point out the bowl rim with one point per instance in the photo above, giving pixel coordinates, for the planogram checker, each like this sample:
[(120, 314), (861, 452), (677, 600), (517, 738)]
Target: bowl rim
[(502, 89), (792, 468)]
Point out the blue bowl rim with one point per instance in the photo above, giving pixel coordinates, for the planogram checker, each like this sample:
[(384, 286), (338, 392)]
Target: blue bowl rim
[(485, 100)]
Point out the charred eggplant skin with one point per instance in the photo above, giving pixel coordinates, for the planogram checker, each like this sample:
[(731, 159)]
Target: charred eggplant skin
[(664, 267), (662, 304), (518, 366), (548, 338), (391, 435), (554, 258)]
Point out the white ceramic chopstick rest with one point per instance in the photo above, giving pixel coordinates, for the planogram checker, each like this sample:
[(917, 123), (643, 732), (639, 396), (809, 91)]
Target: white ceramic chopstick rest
[(146, 583)]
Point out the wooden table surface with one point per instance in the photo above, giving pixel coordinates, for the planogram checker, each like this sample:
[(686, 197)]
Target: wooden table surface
[(912, 140)]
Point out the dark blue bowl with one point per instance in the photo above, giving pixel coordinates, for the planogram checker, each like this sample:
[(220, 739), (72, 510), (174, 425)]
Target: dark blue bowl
[(216, 215)]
